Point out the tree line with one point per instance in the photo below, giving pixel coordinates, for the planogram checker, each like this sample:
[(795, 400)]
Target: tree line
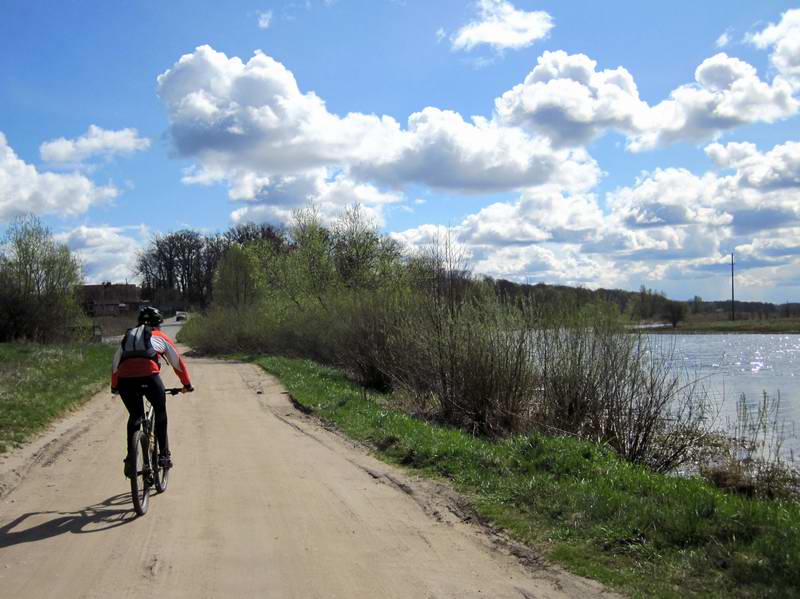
[(39, 276), (178, 268)]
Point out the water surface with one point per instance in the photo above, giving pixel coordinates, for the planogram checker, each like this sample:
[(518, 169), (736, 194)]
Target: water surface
[(734, 364)]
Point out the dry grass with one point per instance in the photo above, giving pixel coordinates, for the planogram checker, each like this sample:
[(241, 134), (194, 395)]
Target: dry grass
[(751, 461)]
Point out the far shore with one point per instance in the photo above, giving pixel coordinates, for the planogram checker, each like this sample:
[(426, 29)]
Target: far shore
[(765, 326)]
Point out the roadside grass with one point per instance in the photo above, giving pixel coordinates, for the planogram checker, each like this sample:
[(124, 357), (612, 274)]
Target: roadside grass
[(40, 382), (767, 325), (647, 534)]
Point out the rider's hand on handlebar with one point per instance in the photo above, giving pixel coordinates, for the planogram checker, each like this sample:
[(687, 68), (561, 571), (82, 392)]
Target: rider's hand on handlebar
[(114, 391), (187, 389)]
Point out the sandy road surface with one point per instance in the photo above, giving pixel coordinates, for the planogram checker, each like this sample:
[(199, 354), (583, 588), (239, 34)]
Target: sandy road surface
[(263, 502)]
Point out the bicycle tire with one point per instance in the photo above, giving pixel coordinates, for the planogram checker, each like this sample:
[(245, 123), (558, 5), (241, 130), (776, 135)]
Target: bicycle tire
[(160, 475), (140, 486)]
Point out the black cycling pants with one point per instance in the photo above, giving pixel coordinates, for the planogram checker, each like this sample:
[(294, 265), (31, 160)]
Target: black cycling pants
[(132, 390)]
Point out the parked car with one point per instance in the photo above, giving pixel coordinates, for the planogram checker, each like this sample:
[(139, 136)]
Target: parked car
[(180, 316)]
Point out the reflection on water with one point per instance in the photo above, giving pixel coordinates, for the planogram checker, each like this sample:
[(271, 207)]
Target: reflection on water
[(732, 364)]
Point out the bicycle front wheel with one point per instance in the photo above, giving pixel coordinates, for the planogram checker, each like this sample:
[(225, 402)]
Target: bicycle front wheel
[(140, 483)]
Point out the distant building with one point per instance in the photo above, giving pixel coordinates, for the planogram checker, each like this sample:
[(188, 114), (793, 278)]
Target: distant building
[(110, 299)]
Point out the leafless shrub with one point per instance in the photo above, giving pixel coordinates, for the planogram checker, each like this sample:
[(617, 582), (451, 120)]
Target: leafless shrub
[(455, 343), (602, 382)]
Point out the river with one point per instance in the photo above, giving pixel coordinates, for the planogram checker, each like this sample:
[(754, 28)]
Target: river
[(730, 365)]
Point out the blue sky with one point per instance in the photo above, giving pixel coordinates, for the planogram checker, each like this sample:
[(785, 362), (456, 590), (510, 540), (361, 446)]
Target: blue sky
[(617, 144)]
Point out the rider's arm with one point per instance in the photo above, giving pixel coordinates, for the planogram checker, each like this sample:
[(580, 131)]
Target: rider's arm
[(164, 346), (115, 367)]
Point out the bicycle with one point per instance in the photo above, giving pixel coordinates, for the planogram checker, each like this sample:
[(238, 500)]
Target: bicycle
[(144, 453)]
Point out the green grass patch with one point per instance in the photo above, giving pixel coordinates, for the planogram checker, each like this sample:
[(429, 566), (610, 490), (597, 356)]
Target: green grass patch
[(647, 534), (40, 382)]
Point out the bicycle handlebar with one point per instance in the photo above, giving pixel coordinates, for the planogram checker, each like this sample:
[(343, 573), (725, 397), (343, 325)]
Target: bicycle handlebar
[(172, 391), (176, 390)]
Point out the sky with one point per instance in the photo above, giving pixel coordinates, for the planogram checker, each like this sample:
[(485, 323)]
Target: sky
[(612, 144)]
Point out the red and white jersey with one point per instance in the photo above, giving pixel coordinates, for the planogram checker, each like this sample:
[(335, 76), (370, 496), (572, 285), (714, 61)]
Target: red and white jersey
[(138, 367)]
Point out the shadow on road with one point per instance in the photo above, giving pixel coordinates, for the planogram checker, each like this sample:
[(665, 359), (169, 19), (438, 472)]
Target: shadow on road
[(114, 511)]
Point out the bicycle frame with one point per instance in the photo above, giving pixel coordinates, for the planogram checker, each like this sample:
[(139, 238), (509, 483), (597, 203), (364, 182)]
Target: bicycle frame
[(152, 474)]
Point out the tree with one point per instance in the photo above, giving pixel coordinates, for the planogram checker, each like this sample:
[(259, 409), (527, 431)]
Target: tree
[(237, 279), (245, 233), (363, 257), (39, 279), (181, 265), (675, 312)]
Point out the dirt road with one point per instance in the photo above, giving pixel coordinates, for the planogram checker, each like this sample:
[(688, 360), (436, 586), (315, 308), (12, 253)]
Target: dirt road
[(262, 502)]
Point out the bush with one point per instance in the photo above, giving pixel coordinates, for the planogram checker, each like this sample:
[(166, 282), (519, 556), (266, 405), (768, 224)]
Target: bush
[(462, 352), (605, 383), (472, 359)]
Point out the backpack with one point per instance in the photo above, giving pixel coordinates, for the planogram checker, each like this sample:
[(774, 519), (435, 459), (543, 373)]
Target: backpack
[(136, 344)]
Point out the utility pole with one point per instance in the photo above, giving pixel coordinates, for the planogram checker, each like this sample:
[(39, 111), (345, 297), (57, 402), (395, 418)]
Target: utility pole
[(733, 311)]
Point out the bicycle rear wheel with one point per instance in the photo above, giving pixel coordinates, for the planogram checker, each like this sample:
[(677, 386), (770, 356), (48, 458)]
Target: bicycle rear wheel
[(160, 475), (140, 485)]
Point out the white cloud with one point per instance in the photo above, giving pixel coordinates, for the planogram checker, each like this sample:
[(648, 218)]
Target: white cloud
[(559, 264), (422, 235), (253, 115), (728, 94), (24, 189), (670, 197), (106, 253), (502, 26), (274, 200), (264, 19), (536, 237), (440, 149), (784, 39), (248, 124), (493, 255), (95, 142), (440, 34), (724, 39), (672, 214), (774, 170), (671, 225), (544, 214), (569, 100), (728, 156)]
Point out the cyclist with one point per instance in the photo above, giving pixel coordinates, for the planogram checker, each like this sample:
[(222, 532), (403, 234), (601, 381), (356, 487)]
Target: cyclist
[(135, 373)]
